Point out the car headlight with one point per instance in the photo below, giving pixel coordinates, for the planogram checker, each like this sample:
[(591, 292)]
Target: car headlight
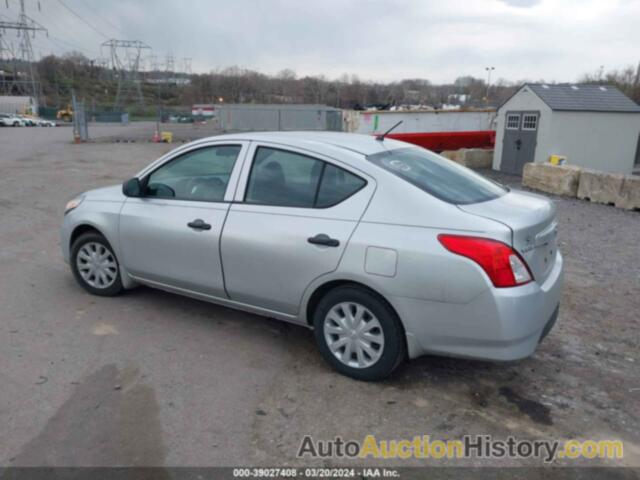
[(71, 204)]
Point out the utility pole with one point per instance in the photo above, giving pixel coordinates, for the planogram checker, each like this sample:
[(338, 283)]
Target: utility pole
[(489, 70), (125, 61), (23, 80), (159, 102)]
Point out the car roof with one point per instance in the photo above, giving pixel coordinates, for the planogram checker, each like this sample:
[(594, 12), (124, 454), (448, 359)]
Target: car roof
[(354, 142)]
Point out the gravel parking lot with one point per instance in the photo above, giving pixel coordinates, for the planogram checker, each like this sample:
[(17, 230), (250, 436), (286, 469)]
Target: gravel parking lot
[(151, 378)]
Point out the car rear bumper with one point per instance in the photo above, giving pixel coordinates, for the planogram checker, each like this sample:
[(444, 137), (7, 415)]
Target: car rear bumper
[(500, 324)]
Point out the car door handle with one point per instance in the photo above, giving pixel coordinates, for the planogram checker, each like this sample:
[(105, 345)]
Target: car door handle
[(323, 239), (199, 224)]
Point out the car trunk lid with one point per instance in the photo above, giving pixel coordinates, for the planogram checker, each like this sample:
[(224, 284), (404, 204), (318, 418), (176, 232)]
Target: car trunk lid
[(532, 220)]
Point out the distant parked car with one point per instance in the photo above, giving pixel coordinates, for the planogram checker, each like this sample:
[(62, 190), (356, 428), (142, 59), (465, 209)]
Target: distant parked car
[(10, 120), (41, 122), (178, 119), (385, 249), (28, 121)]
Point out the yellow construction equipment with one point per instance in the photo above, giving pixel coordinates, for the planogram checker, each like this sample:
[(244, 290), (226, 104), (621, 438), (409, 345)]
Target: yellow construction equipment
[(66, 114)]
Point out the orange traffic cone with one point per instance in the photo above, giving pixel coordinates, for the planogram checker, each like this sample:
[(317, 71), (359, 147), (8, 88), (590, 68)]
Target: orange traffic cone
[(156, 137)]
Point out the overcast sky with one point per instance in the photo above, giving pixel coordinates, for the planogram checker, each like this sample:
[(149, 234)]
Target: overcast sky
[(383, 40)]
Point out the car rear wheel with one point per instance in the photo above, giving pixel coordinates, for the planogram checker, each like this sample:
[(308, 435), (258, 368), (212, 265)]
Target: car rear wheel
[(358, 333), (95, 266)]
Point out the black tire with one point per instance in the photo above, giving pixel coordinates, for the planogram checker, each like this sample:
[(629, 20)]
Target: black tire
[(394, 350), (93, 237)]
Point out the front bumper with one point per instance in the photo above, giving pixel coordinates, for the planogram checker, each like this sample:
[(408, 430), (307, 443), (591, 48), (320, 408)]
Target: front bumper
[(65, 236), (500, 324)]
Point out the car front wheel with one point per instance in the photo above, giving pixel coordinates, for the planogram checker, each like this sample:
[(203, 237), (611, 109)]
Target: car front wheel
[(358, 333), (95, 266)]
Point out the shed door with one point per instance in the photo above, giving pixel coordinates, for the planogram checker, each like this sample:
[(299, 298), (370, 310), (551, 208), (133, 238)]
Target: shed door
[(519, 143)]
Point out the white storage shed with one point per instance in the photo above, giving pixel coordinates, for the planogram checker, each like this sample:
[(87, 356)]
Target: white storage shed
[(593, 126)]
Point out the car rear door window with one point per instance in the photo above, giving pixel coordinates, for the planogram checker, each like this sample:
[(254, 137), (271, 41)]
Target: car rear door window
[(199, 175), (289, 179), (283, 178), (438, 176)]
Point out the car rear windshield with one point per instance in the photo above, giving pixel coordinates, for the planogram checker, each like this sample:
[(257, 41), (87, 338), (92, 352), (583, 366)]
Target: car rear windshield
[(438, 176)]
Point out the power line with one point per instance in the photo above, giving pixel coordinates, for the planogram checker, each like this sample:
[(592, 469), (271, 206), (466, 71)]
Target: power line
[(59, 40), (82, 19), (102, 17), (63, 44)]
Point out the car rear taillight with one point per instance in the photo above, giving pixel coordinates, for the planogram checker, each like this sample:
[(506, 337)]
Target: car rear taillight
[(504, 266)]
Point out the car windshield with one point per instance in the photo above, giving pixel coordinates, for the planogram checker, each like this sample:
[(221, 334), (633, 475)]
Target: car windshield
[(438, 176)]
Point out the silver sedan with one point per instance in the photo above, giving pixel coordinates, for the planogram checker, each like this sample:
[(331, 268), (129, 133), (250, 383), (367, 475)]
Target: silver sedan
[(386, 250)]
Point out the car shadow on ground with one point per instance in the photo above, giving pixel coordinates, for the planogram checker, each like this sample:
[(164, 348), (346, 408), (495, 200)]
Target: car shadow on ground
[(480, 382)]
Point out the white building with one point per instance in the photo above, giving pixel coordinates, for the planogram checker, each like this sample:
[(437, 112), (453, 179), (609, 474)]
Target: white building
[(19, 105), (593, 126)]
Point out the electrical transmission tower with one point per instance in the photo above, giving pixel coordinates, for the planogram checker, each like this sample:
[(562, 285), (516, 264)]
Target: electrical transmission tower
[(7, 53), (125, 62), (169, 63), (20, 78), (186, 65)]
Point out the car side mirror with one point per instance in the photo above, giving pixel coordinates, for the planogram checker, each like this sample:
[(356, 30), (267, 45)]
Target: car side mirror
[(132, 187)]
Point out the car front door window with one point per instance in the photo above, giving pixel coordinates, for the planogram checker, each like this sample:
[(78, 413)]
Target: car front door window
[(200, 175)]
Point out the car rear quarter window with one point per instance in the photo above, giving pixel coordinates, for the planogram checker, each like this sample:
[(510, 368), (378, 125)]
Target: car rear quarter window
[(337, 185), (438, 176)]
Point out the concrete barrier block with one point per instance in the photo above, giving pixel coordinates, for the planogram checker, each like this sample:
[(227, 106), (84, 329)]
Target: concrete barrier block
[(600, 187), (629, 196), (478, 158), (470, 157), (453, 155), (556, 179)]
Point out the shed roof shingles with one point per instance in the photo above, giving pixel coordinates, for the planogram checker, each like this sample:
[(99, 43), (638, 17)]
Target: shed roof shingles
[(581, 97)]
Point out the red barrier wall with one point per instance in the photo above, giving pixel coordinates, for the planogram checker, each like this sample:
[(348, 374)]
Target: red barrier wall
[(439, 141)]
